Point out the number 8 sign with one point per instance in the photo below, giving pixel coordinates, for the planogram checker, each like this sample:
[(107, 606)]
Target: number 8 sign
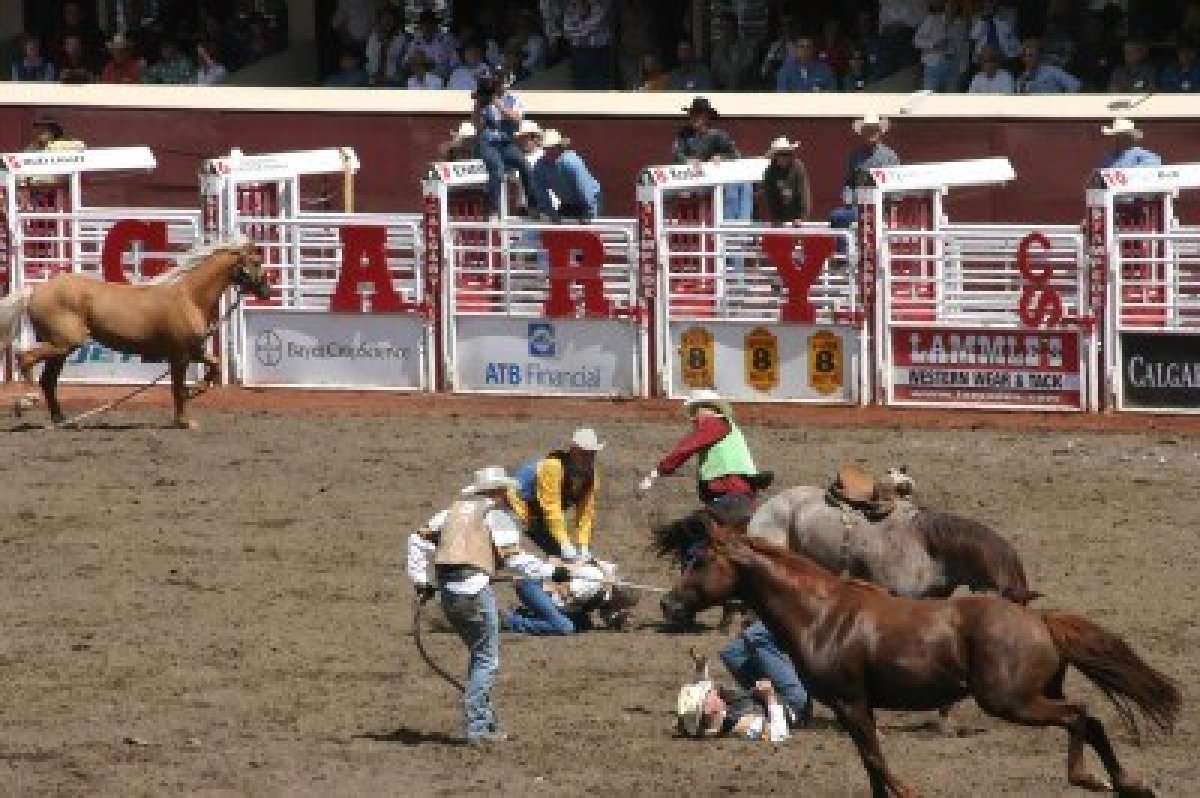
[(696, 367), (762, 359), (825, 362)]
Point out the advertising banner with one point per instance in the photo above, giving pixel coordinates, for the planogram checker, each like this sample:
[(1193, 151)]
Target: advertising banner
[(542, 356), (333, 350), (745, 361), (95, 363), (1160, 372), (987, 367)]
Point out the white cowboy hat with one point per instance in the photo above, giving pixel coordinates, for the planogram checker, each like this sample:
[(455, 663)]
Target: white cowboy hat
[(689, 707), (587, 582), (529, 128), (585, 438), (706, 397), (466, 130), (118, 42), (489, 478), (552, 138), (781, 144), (870, 120), (1122, 127)]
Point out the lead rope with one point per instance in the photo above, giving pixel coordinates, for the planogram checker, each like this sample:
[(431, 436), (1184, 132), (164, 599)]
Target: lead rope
[(418, 611), (147, 386)]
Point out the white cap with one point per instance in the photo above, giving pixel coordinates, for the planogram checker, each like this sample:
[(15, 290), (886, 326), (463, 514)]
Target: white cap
[(708, 398), (870, 120), (781, 144), (552, 138), (585, 438), (529, 128), (1122, 127), (489, 478)]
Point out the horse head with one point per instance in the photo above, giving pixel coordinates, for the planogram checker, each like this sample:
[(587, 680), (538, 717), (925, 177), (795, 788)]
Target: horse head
[(249, 274), (709, 553)]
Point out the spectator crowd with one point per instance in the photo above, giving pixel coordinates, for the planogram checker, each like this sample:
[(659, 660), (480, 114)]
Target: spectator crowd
[(149, 41)]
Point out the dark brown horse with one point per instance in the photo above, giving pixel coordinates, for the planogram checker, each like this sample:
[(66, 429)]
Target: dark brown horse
[(169, 318), (858, 648)]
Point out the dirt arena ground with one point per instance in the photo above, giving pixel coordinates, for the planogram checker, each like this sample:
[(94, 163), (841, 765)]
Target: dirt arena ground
[(223, 612)]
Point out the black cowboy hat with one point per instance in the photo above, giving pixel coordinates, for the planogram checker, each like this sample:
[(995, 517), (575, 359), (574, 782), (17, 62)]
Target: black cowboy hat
[(701, 105), (51, 124)]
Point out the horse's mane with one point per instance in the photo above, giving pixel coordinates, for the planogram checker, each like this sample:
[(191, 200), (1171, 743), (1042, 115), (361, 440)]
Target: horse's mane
[(953, 538), (674, 538), (194, 256)]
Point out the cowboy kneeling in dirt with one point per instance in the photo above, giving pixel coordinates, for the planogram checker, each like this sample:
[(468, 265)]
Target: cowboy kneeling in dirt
[(466, 544)]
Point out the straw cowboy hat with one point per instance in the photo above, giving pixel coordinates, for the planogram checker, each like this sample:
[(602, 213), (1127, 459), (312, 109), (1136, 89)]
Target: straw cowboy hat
[(781, 144), (701, 105), (552, 138), (706, 397), (1122, 127), (490, 478), (585, 438), (871, 120), (529, 128), (466, 130)]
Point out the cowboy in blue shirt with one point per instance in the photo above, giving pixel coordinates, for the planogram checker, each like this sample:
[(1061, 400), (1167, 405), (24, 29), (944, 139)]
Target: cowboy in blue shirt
[(803, 71), (564, 173), (1184, 74), (1128, 153), (1042, 78)]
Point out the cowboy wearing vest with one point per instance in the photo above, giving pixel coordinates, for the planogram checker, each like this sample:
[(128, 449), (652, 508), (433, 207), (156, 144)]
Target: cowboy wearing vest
[(466, 543), (726, 466), (549, 486)]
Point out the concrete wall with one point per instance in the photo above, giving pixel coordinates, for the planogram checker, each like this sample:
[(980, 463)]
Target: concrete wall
[(1053, 142)]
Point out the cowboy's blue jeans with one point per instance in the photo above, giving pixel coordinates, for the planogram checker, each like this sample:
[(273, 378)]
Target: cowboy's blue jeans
[(754, 655), (475, 620), (541, 616), (496, 155)]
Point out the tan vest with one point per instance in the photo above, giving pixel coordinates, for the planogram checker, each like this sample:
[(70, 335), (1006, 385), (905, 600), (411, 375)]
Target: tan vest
[(465, 539)]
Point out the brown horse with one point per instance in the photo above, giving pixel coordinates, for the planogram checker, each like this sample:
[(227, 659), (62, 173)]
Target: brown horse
[(858, 648), (167, 318)]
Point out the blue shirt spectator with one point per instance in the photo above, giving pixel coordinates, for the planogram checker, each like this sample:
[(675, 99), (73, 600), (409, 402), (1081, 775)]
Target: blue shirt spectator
[(1040, 78), (803, 72), (1184, 74), (563, 172), (31, 66), (692, 74)]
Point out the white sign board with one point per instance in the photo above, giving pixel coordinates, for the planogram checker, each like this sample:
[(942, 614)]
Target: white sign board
[(945, 174), (64, 162), (747, 361), (319, 349), (459, 173), (283, 165), (693, 175), (1151, 178), (546, 356)]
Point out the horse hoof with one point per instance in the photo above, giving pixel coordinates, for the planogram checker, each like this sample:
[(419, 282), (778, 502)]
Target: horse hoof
[(1129, 785), (186, 423), (1092, 782)]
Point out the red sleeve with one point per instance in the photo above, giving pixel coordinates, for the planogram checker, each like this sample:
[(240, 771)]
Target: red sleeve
[(708, 430)]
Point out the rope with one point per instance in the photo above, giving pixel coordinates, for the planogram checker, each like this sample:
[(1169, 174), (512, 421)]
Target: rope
[(147, 386), (418, 611)]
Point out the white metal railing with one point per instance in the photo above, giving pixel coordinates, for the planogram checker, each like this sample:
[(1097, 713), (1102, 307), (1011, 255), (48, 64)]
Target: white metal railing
[(1156, 280)]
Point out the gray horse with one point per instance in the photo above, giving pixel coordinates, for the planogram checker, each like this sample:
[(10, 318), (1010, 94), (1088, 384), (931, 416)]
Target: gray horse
[(910, 552)]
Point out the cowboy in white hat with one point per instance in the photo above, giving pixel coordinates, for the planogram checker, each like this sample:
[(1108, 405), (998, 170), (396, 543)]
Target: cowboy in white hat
[(785, 184), (871, 154), (550, 608), (726, 467), (1128, 153), (461, 145), (466, 544), (548, 486), (564, 184), (705, 710)]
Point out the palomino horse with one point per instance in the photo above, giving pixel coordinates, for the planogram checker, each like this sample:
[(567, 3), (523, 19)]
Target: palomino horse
[(911, 552), (858, 648), (168, 318)]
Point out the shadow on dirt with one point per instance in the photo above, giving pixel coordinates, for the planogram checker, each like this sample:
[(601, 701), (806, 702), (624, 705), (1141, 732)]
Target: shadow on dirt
[(406, 736)]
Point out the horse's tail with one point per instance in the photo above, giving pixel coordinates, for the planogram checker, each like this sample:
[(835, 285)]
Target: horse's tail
[(1109, 663), (976, 554), (12, 308)]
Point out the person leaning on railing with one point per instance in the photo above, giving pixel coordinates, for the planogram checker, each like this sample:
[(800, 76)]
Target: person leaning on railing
[(787, 197)]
